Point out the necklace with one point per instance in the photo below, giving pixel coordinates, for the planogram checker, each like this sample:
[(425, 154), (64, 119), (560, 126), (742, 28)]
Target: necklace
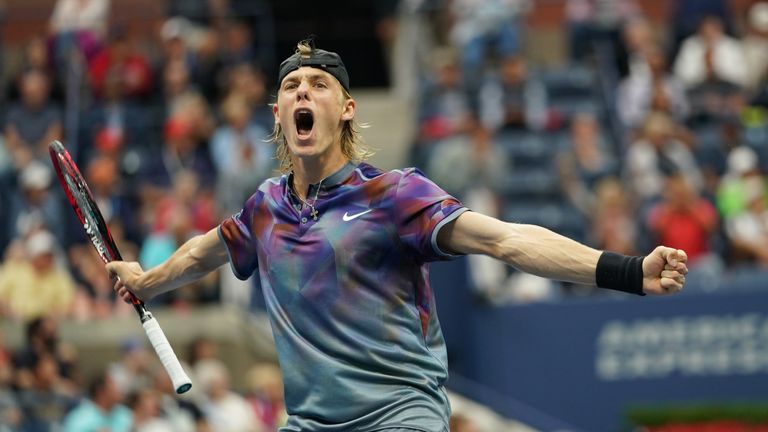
[(313, 210)]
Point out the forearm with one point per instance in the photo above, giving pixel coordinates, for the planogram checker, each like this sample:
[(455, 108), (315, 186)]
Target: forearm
[(541, 252), (194, 259), (530, 248)]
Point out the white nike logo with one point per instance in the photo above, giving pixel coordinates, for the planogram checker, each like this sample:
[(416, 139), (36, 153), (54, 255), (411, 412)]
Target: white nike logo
[(348, 217)]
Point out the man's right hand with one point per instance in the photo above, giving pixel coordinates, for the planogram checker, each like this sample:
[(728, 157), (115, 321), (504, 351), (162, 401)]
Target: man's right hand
[(127, 276)]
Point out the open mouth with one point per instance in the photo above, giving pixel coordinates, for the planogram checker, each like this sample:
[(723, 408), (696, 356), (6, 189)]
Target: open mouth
[(304, 122)]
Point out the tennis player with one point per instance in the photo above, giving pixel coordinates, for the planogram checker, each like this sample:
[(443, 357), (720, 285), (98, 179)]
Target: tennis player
[(342, 249)]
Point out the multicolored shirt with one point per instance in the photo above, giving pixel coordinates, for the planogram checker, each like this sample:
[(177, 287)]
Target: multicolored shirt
[(348, 295)]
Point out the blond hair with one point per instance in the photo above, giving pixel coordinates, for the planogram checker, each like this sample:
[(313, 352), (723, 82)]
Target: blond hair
[(352, 145)]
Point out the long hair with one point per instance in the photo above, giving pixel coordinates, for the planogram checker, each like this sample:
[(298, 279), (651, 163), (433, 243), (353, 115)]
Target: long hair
[(352, 145)]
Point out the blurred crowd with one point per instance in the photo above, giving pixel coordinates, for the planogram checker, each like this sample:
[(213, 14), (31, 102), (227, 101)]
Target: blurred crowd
[(645, 134), (42, 389), (651, 133)]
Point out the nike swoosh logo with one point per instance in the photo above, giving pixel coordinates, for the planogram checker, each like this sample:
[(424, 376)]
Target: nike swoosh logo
[(348, 217)]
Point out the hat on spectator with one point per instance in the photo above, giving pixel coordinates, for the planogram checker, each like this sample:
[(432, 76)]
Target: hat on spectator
[(35, 176), (741, 161), (39, 243), (758, 16)]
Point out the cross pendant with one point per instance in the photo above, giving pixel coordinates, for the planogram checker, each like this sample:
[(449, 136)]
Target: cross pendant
[(313, 213)]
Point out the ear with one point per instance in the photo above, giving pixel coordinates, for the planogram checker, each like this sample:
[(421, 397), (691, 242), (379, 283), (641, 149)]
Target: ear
[(275, 113), (348, 109)]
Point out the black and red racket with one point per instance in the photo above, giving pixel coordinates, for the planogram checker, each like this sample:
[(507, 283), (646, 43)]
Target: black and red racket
[(81, 199)]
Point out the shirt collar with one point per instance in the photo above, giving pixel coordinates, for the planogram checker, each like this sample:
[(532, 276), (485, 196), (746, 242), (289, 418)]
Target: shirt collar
[(329, 182)]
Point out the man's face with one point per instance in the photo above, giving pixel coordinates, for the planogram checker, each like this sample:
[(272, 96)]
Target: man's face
[(311, 111)]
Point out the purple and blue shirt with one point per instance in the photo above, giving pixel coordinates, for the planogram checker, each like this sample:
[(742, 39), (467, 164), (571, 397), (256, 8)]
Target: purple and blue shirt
[(348, 296)]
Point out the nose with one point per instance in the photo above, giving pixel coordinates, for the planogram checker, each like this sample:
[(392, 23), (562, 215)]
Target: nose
[(302, 92)]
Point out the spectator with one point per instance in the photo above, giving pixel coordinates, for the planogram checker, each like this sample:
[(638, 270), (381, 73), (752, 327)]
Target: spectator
[(515, 100), (36, 286), (145, 408), (34, 205), (637, 36), (593, 22), (183, 414), (445, 115), (755, 45), (42, 340), (242, 157), (10, 414), (101, 410), (129, 66), (226, 410), (265, 383), (747, 231), (80, 24), (132, 372), (482, 25), (651, 87), (613, 219), (46, 402), (246, 81), (683, 219), (738, 185), (34, 122), (658, 153), (584, 160), (711, 57)]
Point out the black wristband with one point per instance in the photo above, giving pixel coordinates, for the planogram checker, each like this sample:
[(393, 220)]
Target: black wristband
[(620, 272)]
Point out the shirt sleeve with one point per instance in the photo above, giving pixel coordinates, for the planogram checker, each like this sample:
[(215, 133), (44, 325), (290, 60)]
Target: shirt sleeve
[(237, 234), (421, 209)]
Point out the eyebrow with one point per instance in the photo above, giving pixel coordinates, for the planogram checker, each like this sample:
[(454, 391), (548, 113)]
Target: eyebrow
[(311, 77)]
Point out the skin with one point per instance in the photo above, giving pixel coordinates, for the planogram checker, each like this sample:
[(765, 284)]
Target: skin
[(317, 154)]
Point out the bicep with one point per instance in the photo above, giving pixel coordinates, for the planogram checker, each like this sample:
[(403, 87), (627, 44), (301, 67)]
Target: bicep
[(210, 250), (474, 233)]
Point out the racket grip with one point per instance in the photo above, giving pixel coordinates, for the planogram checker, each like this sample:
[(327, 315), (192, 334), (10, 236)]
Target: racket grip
[(181, 382)]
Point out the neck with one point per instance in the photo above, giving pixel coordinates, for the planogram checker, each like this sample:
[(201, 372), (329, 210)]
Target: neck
[(312, 170)]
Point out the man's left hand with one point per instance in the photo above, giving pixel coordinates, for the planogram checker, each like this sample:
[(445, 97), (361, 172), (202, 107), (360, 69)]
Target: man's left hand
[(664, 271)]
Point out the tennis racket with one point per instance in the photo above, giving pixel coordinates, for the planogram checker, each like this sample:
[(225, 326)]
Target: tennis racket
[(81, 199)]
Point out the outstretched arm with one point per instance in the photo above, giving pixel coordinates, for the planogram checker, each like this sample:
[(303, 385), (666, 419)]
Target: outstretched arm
[(194, 259), (541, 252)]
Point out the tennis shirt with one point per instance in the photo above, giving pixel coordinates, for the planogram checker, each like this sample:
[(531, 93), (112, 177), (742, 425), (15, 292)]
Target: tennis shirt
[(348, 296)]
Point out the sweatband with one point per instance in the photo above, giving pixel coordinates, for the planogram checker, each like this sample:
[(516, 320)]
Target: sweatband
[(620, 272), (321, 59)]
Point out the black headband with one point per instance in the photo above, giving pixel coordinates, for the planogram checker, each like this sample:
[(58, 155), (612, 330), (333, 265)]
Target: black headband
[(321, 59)]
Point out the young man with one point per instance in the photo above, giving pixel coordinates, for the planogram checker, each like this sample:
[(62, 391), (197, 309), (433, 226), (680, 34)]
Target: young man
[(342, 250)]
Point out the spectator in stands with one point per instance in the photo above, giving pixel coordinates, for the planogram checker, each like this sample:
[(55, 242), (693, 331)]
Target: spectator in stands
[(35, 55), (513, 100), (144, 404), (584, 159), (755, 45), (482, 25), (10, 414), (240, 153), (46, 402), (225, 409), (130, 67), (637, 37), (34, 122), (247, 81), (736, 187), (658, 153), (36, 286), (710, 57), (650, 87), (613, 218), (78, 24), (683, 218), (132, 372), (265, 384), (183, 414), (237, 45), (42, 340), (101, 410), (747, 230), (34, 205), (688, 14), (445, 116), (595, 22)]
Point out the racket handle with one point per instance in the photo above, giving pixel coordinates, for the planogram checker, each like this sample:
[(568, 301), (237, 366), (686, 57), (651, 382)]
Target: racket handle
[(181, 382)]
